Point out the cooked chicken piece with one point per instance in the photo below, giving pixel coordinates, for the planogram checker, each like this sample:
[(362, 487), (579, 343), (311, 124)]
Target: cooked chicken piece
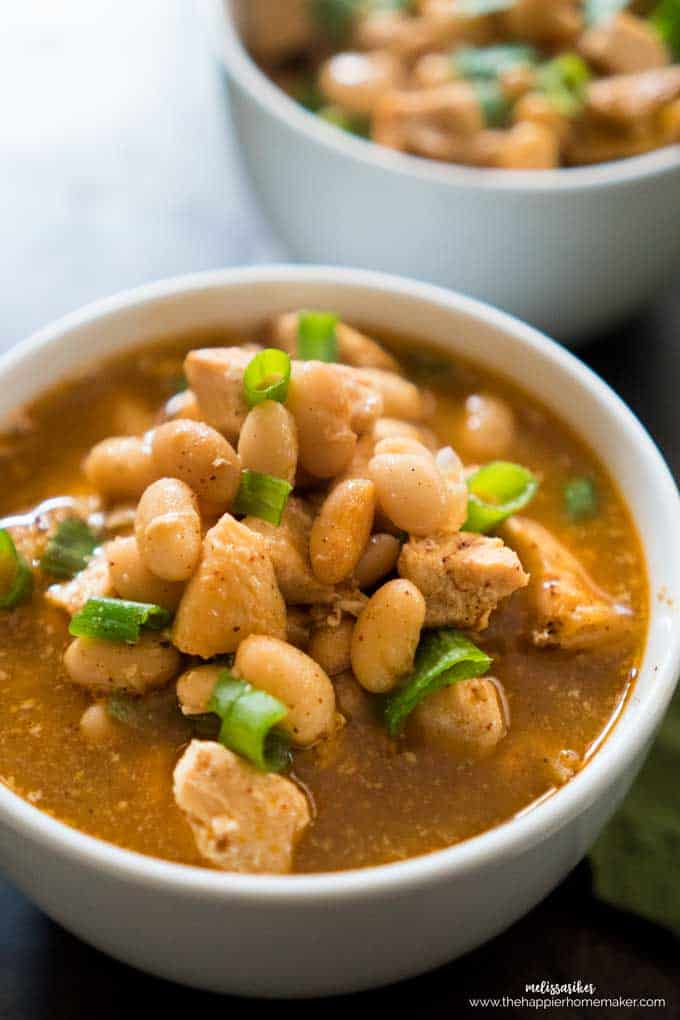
[(557, 22), (572, 612), (367, 403), (278, 30), (632, 97), (355, 81), (463, 576), (468, 718), (232, 594), (624, 44), (409, 37), (94, 581), (354, 348), (215, 375), (436, 122), (288, 548), (242, 819)]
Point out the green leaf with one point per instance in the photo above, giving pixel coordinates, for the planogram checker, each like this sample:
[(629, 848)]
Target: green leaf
[(351, 123), (493, 102), (635, 860), (444, 657)]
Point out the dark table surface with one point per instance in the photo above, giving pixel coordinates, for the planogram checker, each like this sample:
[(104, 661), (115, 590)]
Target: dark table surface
[(117, 167)]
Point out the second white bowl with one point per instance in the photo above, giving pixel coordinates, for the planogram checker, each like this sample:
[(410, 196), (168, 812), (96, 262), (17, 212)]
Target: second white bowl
[(571, 251)]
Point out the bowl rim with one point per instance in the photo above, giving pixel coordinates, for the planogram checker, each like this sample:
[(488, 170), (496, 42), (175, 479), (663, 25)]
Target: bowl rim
[(511, 837), (227, 43)]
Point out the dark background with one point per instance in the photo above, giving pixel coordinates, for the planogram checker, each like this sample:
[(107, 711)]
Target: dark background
[(117, 167)]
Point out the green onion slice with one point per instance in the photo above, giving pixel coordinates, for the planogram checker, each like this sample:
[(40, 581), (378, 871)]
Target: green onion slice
[(666, 20), (335, 18), (262, 496), (354, 124), (70, 548), (317, 339), (580, 498), (563, 81), (596, 11), (266, 377), (16, 577), (248, 719), (117, 619), (489, 62), (443, 658), (496, 491), (493, 102)]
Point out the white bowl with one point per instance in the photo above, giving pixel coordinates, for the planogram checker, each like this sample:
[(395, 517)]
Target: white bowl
[(322, 934), (571, 251)]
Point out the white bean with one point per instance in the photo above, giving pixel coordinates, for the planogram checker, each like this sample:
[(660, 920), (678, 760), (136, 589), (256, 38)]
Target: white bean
[(168, 529), (386, 636)]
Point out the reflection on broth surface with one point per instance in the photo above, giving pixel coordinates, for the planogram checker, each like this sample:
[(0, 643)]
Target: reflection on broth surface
[(372, 797)]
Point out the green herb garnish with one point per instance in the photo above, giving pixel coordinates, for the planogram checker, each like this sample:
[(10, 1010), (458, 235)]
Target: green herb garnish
[(248, 719), (580, 498), (70, 548), (496, 491), (666, 20), (262, 496), (317, 338), (494, 105), (489, 62), (266, 377), (16, 577), (443, 658), (107, 619)]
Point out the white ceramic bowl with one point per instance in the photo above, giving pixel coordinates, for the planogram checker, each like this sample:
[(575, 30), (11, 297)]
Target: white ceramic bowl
[(571, 251), (320, 934)]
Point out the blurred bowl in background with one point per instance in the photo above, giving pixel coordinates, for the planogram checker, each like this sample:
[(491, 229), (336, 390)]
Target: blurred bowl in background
[(571, 251)]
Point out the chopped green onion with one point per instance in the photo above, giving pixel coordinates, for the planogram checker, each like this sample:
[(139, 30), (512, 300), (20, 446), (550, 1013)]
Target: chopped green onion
[(262, 496), (479, 8), (16, 577), (443, 658), (70, 548), (117, 619), (496, 491), (489, 62), (317, 338), (563, 81), (580, 498), (597, 11), (266, 377), (248, 719), (335, 18), (493, 102), (666, 20), (349, 122), (306, 92)]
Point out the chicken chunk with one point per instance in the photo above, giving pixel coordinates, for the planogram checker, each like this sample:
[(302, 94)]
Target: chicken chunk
[(462, 576), (354, 348), (278, 30), (215, 375), (232, 594), (572, 612), (94, 581), (632, 97), (555, 23), (288, 547), (624, 44), (468, 718), (242, 819), (437, 122)]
